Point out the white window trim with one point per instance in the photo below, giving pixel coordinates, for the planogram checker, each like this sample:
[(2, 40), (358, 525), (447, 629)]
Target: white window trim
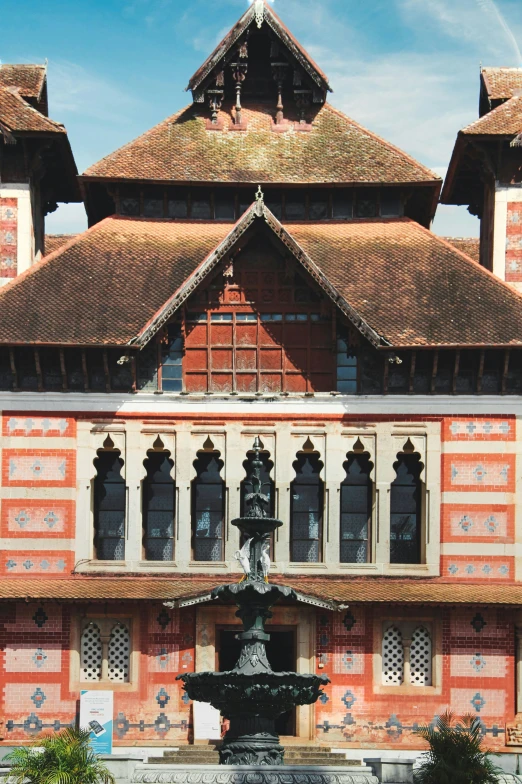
[(409, 622), (106, 622)]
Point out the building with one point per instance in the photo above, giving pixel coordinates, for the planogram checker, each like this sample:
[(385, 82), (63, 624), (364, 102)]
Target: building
[(37, 168), (260, 264)]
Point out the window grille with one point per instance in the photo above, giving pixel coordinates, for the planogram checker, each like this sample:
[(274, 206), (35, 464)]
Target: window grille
[(159, 508), (306, 513), (91, 653), (420, 657), (356, 510), (392, 657), (405, 510), (109, 507), (208, 508), (119, 654)]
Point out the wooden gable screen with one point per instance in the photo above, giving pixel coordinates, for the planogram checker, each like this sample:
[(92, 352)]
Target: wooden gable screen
[(259, 327)]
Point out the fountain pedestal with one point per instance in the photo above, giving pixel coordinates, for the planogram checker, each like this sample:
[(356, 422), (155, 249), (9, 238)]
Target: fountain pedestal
[(252, 695)]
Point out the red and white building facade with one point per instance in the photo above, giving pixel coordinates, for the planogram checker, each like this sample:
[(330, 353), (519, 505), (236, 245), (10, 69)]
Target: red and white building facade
[(261, 265)]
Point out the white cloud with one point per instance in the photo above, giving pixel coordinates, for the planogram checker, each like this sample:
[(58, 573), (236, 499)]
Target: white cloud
[(78, 91)]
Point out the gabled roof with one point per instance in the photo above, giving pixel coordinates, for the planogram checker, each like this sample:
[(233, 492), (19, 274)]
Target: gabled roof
[(501, 83), (17, 116), (259, 12), (117, 283), (29, 80), (504, 120), (336, 150)]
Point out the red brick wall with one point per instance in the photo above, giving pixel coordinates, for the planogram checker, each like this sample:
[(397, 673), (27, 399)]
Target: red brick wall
[(35, 664), (483, 474), (477, 676)]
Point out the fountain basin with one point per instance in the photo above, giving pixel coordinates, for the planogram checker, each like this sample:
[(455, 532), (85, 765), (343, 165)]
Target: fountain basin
[(261, 694)]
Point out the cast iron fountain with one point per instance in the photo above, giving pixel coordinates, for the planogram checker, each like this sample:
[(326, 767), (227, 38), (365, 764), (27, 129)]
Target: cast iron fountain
[(252, 695)]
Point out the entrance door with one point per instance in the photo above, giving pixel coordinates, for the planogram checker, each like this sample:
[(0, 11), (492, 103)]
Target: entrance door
[(281, 652)]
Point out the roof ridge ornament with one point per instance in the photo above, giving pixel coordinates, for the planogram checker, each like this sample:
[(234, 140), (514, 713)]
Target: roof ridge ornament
[(260, 202), (259, 12)]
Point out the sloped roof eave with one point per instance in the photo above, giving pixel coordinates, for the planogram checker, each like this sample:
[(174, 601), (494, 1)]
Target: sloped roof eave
[(257, 210)]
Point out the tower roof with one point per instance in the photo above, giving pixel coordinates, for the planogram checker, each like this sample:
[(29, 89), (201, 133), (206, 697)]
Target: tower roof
[(334, 149), (258, 13)]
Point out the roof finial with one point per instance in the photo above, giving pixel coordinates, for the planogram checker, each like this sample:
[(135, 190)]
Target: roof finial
[(260, 202), (259, 12), (260, 196)]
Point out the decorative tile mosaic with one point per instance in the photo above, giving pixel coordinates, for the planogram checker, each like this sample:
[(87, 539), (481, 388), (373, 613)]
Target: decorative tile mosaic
[(490, 568), (479, 429), (472, 663), (8, 237), (30, 467), (30, 518), (36, 562), (486, 702), (477, 522), (163, 658), (51, 427), (478, 472), (25, 657), (514, 242), (349, 622), (348, 660)]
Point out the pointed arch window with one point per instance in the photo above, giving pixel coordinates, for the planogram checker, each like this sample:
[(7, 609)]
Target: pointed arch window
[(356, 509), (109, 507), (406, 510), (159, 493), (306, 509), (208, 508), (91, 653)]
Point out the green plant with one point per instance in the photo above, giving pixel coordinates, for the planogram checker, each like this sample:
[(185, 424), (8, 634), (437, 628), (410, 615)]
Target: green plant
[(63, 758), (455, 754)]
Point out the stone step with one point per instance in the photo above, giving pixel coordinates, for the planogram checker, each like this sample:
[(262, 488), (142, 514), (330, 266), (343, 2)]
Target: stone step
[(290, 754), (194, 760), (324, 763)]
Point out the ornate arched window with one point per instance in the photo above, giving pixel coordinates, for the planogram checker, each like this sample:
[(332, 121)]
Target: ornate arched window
[(159, 492), (306, 509), (356, 509), (406, 510), (208, 508), (392, 657), (420, 657), (109, 507)]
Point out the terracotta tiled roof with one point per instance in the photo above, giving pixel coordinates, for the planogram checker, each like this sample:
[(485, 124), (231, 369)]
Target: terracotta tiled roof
[(105, 284), (28, 79), (505, 120), (410, 286), (55, 241), (341, 590), (17, 116), (501, 82), (336, 150), (468, 245)]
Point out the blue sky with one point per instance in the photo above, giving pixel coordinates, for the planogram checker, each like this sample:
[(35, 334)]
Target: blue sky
[(406, 69)]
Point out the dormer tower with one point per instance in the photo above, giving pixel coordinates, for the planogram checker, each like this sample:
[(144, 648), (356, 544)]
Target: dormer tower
[(37, 168), (485, 172)]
